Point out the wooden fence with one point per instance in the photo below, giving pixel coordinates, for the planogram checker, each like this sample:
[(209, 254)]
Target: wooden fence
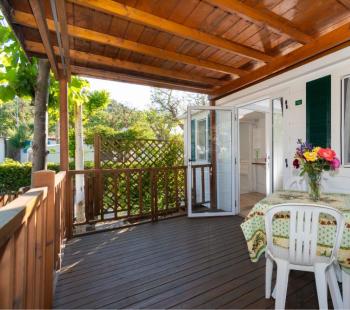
[(7, 198), (132, 194), (202, 182), (32, 228), (112, 152)]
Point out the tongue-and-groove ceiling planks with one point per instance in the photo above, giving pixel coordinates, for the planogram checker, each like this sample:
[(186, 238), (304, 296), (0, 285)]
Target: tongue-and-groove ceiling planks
[(209, 46)]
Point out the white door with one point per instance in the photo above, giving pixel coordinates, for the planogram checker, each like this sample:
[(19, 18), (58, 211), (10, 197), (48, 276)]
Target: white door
[(211, 157)]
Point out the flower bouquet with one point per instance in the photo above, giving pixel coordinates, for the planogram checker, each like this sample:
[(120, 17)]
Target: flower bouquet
[(312, 161)]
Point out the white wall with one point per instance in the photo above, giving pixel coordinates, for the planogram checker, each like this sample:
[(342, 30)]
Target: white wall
[(292, 86)]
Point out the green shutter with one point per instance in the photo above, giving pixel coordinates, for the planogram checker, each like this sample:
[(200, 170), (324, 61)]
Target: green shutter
[(209, 138), (193, 140), (318, 111)]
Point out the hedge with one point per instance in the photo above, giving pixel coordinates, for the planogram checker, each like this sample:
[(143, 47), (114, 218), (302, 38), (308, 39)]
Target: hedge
[(14, 175)]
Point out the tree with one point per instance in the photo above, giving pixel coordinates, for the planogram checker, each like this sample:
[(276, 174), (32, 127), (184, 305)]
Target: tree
[(40, 116), (161, 124), (174, 103), (166, 100), (17, 74), (81, 99)]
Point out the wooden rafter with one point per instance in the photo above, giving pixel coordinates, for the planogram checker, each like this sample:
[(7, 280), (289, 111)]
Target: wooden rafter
[(121, 77), (264, 16), (102, 38), (326, 42), (141, 17), (39, 16), (345, 3), (122, 64), (62, 19), (6, 10)]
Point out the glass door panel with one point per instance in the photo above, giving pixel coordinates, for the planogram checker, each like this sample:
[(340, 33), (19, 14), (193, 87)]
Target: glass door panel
[(211, 158)]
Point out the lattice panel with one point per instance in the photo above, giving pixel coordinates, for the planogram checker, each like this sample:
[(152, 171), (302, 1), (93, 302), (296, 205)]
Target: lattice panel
[(141, 193), (123, 153)]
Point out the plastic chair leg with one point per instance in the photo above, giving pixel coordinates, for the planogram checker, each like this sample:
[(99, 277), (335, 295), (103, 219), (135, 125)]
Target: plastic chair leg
[(268, 277), (346, 289), (334, 287), (321, 285), (281, 284)]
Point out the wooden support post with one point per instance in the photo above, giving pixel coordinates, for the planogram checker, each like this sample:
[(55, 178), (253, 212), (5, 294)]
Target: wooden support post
[(213, 176), (46, 178), (64, 149)]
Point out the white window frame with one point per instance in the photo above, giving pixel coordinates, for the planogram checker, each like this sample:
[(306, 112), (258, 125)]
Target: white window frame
[(345, 165)]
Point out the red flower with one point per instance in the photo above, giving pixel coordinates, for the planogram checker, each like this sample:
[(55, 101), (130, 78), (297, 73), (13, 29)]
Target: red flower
[(296, 163), (327, 154)]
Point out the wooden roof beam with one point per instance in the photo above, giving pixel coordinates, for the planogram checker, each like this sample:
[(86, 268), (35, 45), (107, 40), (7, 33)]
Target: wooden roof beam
[(6, 10), (265, 17), (62, 20), (141, 17), (345, 3), (126, 65), (40, 19), (320, 45), (105, 39), (121, 77)]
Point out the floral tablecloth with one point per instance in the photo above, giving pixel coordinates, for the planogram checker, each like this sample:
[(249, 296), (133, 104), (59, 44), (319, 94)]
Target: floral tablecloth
[(254, 225)]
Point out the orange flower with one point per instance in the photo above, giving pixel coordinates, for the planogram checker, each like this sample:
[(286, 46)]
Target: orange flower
[(327, 154)]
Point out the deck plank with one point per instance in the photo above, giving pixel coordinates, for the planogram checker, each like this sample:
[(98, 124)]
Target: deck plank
[(179, 263)]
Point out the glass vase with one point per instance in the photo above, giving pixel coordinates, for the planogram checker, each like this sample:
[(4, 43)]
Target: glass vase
[(315, 186)]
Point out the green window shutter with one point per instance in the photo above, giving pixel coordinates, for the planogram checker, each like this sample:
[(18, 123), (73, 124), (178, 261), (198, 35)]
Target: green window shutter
[(318, 112), (209, 138), (193, 140)]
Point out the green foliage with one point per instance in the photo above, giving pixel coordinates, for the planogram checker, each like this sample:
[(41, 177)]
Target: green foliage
[(17, 74), (14, 175), (97, 99), (20, 136)]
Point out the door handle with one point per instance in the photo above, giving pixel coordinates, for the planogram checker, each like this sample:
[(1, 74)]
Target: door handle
[(286, 162)]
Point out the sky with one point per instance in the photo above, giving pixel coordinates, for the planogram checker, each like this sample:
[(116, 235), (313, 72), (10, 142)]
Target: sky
[(134, 96)]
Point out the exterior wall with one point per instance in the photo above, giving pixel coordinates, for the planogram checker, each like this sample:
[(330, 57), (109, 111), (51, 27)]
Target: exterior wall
[(292, 86)]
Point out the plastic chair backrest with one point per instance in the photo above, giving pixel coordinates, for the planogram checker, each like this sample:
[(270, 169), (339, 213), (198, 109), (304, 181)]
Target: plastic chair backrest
[(303, 231)]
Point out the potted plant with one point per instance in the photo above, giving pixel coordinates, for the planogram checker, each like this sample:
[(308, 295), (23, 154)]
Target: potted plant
[(312, 161)]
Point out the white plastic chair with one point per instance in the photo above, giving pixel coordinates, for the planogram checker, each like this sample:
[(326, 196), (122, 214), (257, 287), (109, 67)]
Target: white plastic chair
[(301, 254)]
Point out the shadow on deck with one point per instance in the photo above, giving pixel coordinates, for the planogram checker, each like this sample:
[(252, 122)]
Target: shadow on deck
[(178, 263)]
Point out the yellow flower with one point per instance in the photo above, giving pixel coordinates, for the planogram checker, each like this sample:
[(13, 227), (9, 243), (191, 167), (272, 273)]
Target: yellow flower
[(310, 156), (316, 149)]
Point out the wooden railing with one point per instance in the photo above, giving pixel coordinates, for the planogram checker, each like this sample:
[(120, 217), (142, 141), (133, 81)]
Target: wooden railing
[(7, 198), (132, 194), (32, 229), (201, 183)]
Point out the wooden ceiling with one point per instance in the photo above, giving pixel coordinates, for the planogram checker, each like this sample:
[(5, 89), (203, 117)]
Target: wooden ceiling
[(208, 46)]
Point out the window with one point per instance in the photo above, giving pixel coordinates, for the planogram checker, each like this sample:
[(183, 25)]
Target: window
[(346, 121), (202, 139)]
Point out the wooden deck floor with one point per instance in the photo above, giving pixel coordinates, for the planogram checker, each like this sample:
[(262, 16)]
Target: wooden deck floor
[(177, 263)]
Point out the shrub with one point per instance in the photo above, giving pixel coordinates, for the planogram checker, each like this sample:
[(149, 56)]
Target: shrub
[(14, 175)]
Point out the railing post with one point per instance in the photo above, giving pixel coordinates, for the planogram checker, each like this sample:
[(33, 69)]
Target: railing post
[(69, 214), (46, 178)]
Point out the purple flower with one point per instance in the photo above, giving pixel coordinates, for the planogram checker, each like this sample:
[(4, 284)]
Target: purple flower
[(335, 163)]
